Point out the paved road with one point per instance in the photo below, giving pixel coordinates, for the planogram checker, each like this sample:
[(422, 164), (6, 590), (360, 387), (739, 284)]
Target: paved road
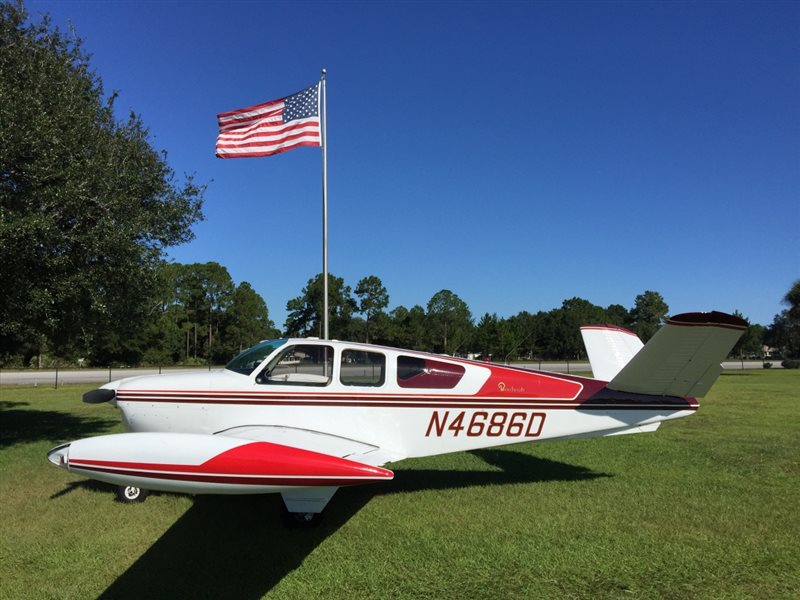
[(557, 367), (100, 376), (48, 377), (573, 367)]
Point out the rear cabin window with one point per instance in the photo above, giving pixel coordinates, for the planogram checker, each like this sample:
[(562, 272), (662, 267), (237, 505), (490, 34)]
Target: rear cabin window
[(413, 372), (362, 368), (299, 365)]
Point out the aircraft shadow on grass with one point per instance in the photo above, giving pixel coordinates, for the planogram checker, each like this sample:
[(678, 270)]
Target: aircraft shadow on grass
[(239, 545), (24, 426)]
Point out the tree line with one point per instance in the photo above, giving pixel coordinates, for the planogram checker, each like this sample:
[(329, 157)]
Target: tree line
[(199, 316), (446, 324)]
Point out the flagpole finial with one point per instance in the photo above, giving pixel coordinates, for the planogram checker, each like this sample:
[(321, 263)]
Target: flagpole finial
[(324, 72)]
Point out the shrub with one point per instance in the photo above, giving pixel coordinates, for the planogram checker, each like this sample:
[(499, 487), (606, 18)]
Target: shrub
[(791, 363), (767, 365), (12, 361)]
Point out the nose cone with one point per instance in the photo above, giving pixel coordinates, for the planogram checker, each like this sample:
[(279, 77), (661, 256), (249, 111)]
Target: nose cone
[(59, 456)]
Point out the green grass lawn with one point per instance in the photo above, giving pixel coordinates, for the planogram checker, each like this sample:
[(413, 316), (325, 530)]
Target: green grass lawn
[(707, 507)]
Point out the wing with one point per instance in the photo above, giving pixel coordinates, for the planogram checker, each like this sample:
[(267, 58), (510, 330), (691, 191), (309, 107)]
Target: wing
[(316, 441), (313, 499), (211, 464)]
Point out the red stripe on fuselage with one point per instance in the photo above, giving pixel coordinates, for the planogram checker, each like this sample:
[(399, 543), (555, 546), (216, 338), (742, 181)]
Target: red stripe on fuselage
[(404, 401)]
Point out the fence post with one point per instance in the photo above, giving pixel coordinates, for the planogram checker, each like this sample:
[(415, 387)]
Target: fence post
[(56, 378), (109, 374), (567, 366)]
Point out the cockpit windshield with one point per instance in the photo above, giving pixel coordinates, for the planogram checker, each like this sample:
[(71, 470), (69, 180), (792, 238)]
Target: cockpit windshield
[(248, 360)]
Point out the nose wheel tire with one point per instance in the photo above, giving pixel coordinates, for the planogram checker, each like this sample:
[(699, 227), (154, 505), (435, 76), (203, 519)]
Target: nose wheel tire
[(128, 494)]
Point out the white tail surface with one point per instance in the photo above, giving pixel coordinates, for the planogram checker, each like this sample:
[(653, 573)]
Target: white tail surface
[(609, 348), (683, 357)]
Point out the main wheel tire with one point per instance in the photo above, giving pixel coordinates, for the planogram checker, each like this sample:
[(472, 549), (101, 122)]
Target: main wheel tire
[(297, 520), (128, 494)]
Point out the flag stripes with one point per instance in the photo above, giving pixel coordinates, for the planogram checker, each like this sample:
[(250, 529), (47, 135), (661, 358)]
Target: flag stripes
[(272, 127)]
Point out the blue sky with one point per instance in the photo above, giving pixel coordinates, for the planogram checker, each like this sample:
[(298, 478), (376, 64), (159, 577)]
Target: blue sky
[(517, 154)]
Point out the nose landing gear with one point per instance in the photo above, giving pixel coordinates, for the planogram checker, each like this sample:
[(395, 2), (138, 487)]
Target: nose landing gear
[(128, 494)]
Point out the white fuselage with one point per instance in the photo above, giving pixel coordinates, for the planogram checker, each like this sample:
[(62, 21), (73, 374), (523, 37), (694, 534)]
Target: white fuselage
[(401, 422)]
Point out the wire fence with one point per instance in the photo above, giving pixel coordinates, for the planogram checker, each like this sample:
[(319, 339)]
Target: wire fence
[(59, 376)]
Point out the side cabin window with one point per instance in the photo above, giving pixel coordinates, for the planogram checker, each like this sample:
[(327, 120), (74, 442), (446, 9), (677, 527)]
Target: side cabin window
[(362, 368), (413, 372), (299, 365)]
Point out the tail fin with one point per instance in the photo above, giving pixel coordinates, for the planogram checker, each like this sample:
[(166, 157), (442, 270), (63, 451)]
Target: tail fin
[(610, 348), (683, 357)]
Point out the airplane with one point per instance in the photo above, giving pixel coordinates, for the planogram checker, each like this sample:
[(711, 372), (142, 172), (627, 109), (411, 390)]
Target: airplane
[(305, 416)]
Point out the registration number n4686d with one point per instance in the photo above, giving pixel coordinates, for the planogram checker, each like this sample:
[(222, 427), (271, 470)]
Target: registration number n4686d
[(488, 423)]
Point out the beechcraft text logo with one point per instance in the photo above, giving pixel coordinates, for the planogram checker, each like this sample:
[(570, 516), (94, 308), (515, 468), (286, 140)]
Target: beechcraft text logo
[(509, 388)]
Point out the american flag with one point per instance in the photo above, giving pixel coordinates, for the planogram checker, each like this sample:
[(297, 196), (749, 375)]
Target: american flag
[(272, 127)]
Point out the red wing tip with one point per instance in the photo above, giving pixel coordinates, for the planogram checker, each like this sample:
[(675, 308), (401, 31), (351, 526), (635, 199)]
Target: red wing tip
[(713, 318), (384, 473)]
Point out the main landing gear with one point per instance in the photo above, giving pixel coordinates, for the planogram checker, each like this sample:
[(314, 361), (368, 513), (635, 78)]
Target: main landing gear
[(128, 494), (298, 520)]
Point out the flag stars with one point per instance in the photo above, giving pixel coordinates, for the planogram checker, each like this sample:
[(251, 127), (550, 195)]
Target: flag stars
[(302, 105)]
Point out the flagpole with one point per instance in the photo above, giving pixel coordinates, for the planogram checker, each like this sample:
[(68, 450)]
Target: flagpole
[(324, 208)]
